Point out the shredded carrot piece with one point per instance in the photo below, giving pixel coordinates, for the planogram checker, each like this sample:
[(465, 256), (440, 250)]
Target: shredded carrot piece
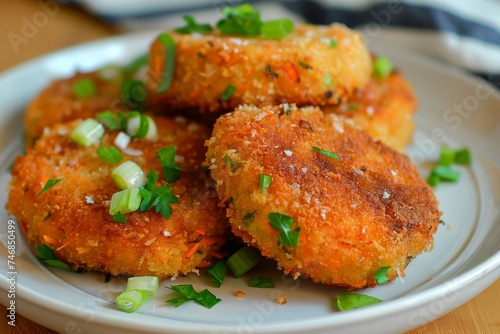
[(203, 264), (291, 72), (215, 254), (65, 244), (212, 241), (201, 231), (242, 87), (190, 252), (110, 252), (248, 72)]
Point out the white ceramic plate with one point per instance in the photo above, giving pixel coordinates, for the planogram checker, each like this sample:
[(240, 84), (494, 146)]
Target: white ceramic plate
[(465, 260)]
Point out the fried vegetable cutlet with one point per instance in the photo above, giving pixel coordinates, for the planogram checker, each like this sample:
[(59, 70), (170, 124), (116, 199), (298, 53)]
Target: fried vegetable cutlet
[(384, 108), (313, 65), (320, 196), (73, 216)]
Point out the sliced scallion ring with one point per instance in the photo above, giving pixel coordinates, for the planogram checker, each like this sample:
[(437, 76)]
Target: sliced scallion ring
[(128, 175), (87, 132), (144, 283), (130, 300), (122, 140), (163, 52), (243, 260), (137, 125), (125, 201)]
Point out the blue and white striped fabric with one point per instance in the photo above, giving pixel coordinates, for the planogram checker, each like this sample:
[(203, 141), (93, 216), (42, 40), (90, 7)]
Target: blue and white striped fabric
[(465, 33)]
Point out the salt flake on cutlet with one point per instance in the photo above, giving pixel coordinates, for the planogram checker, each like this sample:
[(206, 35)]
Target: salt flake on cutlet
[(89, 200), (288, 153)]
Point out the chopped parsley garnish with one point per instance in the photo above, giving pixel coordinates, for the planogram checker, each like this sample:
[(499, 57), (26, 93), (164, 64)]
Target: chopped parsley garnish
[(245, 20), (382, 67), (233, 165), (119, 218), (50, 183), (226, 94), (170, 169), (192, 26), (249, 218), (204, 297), (381, 275), (261, 282), (326, 153), (218, 271), (332, 43), (283, 224), (350, 301), (269, 71), (47, 255), (109, 154), (47, 216), (160, 197), (84, 88), (305, 65), (264, 181)]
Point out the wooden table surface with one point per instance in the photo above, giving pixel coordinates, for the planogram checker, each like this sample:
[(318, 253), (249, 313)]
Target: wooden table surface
[(69, 26)]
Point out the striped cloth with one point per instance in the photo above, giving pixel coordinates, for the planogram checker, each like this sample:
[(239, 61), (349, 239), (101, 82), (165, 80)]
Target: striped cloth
[(464, 33)]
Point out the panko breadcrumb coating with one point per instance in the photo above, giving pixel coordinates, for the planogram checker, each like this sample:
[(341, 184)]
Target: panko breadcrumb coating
[(369, 209), (57, 103), (384, 108), (73, 216), (313, 65)]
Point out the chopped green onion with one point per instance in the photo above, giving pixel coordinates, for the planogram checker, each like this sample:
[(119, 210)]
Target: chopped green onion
[(463, 157), (327, 80), (269, 71), (276, 28), (240, 20), (330, 42), (382, 67), (168, 72), (381, 275), (144, 283), (447, 156), (204, 297), (305, 65), (349, 301), (47, 216), (119, 218), (230, 89), (326, 153), (445, 173), (125, 201), (84, 88), (50, 183), (110, 120), (109, 154), (233, 165), (134, 93), (193, 26), (122, 140), (128, 175), (137, 125), (261, 282), (283, 224), (218, 271), (249, 218), (87, 132), (130, 300), (47, 255), (433, 179), (264, 181), (136, 63), (243, 260)]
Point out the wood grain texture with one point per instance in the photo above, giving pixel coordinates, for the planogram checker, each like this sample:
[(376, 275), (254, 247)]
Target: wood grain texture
[(70, 26)]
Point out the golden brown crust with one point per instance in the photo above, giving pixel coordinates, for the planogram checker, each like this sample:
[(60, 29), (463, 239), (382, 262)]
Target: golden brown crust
[(301, 68), (369, 210), (84, 235), (384, 108)]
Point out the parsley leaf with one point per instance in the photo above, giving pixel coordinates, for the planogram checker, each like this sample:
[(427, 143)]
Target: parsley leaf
[(326, 153), (249, 218), (119, 218), (47, 255), (193, 26), (283, 224), (50, 183), (204, 297), (160, 197), (261, 282)]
